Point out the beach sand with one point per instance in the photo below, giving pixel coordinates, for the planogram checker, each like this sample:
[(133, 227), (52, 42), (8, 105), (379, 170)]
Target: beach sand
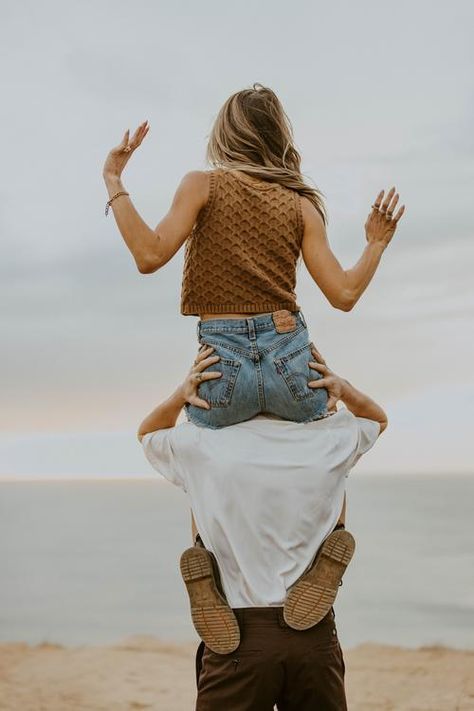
[(143, 673)]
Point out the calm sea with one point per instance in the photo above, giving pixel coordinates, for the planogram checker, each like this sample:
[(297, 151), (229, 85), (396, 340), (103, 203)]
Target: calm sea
[(95, 561)]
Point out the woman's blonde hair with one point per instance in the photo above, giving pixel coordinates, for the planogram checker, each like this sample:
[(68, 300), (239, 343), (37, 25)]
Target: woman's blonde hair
[(252, 133)]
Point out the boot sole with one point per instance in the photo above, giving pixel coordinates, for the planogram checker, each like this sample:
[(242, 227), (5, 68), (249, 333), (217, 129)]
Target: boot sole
[(213, 619), (312, 596)]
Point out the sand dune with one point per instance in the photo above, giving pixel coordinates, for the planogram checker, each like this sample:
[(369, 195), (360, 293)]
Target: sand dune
[(143, 673)]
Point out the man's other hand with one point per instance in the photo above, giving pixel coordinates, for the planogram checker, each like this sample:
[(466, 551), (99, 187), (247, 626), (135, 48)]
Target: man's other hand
[(329, 380)]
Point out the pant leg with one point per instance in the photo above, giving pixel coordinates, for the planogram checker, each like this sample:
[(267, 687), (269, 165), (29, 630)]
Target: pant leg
[(198, 661), (314, 670), (251, 678)]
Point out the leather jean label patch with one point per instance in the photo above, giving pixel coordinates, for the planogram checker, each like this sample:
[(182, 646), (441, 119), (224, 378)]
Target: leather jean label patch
[(285, 321)]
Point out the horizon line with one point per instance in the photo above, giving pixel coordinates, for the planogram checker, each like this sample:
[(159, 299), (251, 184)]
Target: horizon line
[(5, 479)]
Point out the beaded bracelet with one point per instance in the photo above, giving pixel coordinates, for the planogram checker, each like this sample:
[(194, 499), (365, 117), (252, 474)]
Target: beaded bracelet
[(122, 192)]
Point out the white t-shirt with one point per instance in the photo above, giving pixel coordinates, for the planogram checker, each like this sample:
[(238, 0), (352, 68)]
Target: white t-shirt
[(265, 493)]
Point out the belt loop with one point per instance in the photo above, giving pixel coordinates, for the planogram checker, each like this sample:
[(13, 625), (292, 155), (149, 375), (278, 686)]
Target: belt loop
[(251, 328), (198, 330), (302, 318)]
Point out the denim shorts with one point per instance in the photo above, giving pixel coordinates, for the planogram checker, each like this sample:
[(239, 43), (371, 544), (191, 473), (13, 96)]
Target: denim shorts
[(263, 371)]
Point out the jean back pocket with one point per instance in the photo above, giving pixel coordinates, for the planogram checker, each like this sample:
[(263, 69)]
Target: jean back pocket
[(218, 391), (296, 373)]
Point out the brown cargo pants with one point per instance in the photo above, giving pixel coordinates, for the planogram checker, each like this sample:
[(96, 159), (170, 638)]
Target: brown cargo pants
[(274, 664)]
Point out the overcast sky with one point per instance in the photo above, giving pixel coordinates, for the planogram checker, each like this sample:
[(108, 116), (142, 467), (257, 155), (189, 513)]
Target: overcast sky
[(379, 94)]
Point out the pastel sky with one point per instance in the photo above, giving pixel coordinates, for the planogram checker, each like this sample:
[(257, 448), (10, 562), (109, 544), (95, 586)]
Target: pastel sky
[(379, 94)]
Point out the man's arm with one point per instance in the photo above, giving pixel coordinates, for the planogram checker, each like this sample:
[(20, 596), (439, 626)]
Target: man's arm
[(362, 405), (167, 412), (164, 415), (338, 388)]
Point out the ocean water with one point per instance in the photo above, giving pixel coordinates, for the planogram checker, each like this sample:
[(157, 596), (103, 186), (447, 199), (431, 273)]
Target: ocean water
[(91, 562)]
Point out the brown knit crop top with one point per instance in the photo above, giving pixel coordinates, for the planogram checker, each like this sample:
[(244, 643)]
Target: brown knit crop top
[(241, 254)]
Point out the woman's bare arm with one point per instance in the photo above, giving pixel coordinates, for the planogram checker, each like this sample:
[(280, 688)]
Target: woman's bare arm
[(150, 248), (343, 288)]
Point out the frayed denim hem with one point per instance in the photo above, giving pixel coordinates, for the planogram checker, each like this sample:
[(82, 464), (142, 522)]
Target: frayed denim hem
[(198, 423), (318, 417)]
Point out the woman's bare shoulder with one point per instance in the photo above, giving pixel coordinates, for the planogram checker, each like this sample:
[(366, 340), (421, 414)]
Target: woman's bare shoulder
[(312, 218), (196, 184), (196, 178)]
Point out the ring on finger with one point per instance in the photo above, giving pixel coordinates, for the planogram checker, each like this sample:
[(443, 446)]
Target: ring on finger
[(198, 377)]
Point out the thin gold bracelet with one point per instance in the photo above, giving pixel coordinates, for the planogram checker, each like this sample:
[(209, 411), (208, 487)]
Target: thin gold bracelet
[(122, 192)]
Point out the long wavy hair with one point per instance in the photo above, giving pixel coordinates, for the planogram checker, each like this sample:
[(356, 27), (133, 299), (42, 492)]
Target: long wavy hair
[(252, 133)]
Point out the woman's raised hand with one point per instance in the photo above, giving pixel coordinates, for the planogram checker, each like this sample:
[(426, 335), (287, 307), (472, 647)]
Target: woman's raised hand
[(120, 155), (196, 375), (382, 222)]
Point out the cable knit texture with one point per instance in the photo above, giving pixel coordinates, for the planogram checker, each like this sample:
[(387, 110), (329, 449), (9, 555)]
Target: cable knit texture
[(241, 254)]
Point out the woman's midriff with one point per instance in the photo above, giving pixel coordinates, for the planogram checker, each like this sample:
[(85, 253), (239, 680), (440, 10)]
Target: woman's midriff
[(206, 317)]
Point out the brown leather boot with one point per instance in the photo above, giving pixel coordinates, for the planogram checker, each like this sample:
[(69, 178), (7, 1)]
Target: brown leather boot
[(311, 597), (213, 618)]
